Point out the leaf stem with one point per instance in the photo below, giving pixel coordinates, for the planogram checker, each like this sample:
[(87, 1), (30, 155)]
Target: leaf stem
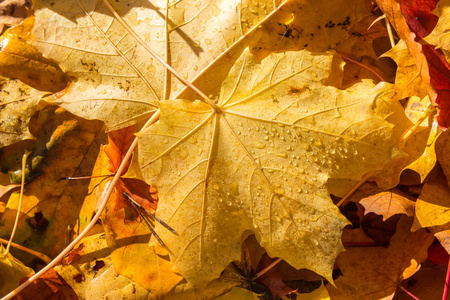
[(447, 282), (266, 269), (353, 189), (362, 65), (22, 185), (42, 256), (406, 291), (94, 220)]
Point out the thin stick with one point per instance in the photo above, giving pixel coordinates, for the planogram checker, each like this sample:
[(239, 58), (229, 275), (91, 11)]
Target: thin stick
[(266, 269), (148, 224), (344, 200), (42, 256), (362, 65), (86, 177), (408, 292), (94, 220), (390, 34), (153, 53), (149, 214), (24, 164), (447, 282), (431, 110)]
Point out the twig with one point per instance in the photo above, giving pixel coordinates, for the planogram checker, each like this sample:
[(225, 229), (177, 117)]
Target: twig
[(362, 65), (266, 269), (24, 164), (447, 282), (406, 291), (42, 256), (349, 193)]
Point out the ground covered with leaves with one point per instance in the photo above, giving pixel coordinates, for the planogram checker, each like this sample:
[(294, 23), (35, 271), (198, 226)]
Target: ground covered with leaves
[(224, 149)]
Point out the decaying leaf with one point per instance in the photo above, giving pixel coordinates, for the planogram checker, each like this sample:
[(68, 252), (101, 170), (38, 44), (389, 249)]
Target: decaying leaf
[(328, 26), (260, 163), (50, 204)]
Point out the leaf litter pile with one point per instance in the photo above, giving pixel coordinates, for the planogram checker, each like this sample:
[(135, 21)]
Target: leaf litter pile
[(224, 149)]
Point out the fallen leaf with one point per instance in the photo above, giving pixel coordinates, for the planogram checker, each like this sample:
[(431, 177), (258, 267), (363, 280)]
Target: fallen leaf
[(72, 256), (388, 204), (442, 233), (373, 272), (272, 279), (407, 80), (266, 142), (438, 255), (18, 102), (50, 286), (102, 283), (239, 293), (20, 60), (51, 205), (318, 294), (11, 271), (433, 204), (12, 12), (328, 26), (126, 231), (116, 73), (427, 283), (413, 21)]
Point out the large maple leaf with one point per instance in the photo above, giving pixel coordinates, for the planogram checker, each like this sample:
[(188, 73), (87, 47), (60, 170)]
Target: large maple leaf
[(259, 159), (260, 163)]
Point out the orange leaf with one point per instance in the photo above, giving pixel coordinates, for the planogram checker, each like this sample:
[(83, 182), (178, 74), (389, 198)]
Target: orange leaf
[(119, 143), (23, 61), (50, 286), (388, 204)]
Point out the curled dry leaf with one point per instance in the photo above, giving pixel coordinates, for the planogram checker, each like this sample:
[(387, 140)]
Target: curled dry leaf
[(261, 162)]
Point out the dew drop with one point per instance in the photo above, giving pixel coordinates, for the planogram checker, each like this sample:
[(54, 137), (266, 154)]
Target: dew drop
[(208, 42), (259, 145)]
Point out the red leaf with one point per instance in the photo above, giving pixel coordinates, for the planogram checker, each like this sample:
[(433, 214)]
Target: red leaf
[(438, 255), (418, 16), (421, 21)]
